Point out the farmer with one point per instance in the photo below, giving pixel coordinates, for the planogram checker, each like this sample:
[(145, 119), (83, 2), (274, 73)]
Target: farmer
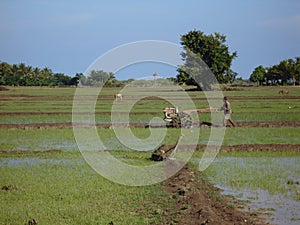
[(227, 112)]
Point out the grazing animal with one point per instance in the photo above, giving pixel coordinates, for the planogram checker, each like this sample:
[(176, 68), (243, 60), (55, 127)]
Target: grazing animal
[(283, 92), (118, 96)]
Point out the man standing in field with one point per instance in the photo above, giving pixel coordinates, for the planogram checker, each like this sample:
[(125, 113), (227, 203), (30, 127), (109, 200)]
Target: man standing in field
[(227, 112)]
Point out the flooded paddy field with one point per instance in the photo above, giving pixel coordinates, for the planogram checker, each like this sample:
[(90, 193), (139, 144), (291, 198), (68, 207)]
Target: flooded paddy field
[(268, 183), (44, 177), (61, 188)]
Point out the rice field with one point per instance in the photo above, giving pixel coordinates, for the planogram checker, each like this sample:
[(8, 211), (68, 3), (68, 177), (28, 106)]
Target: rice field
[(44, 176)]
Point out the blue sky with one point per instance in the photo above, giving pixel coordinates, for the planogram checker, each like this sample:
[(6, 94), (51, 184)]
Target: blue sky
[(68, 35)]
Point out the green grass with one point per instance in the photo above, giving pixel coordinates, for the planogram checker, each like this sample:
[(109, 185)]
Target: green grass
[(60, 188), (63, 189), (32, 119), (60, 100), (63, 139), (146, 117), (38, 91), (260, 135)]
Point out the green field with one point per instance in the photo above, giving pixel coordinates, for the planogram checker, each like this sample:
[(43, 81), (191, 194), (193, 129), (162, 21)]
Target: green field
[(63, 189), (63, 139), (59, 187)]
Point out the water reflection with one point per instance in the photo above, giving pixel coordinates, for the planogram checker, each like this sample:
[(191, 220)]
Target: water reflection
[(269, 184)]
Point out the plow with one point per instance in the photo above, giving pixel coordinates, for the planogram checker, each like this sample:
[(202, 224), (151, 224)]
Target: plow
[(176, 119), (163, 152)]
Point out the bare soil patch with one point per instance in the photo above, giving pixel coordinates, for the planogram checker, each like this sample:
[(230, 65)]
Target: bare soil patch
[(2, 88), (269, 124), (69, 113), (242, 147), (255, 147), (127, 97), (29, 151)]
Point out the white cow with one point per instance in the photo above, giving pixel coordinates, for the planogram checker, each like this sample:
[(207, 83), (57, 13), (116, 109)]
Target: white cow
[(118, 96)]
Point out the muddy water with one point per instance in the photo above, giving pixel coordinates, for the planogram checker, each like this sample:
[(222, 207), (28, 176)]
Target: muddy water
[(277, 209), (268, 185)]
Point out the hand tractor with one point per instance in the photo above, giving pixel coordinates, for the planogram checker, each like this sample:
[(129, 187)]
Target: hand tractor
[(183, 119)]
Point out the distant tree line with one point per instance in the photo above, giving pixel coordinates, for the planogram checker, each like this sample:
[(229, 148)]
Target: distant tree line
[(284, 73), (100, 78), (24, 75)]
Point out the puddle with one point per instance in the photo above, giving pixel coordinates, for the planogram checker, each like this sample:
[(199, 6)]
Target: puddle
[(263, 182), (279, 208), (63, 145)]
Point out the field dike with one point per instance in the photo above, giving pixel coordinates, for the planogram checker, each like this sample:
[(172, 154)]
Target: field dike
[(200, 203), (138, 125), (199, 147)]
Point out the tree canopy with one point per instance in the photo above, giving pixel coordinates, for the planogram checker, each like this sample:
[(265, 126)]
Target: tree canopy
[(100, 78), (212, 50), (23, 75), (258, 75), (286, 72)]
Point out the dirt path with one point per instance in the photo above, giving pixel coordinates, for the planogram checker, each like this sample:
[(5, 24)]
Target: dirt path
[(200, 203), (137, 125)]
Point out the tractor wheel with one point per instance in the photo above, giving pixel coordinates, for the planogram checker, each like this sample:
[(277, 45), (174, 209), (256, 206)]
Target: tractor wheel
[(186, 120)]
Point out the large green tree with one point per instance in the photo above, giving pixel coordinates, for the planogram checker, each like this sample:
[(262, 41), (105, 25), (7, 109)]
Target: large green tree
[(213, 52)]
